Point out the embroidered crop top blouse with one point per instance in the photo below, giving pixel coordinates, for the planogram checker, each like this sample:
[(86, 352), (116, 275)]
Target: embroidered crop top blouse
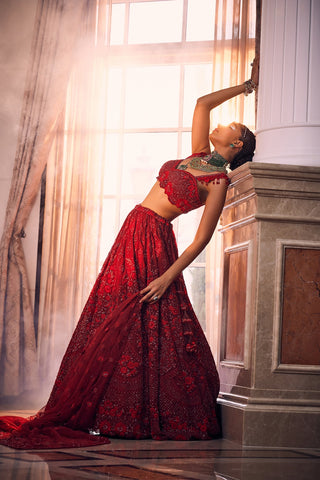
[(181, 187)]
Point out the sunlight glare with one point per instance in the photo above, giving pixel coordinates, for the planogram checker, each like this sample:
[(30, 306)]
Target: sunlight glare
[(152, 99), (143, 154), (197, 82), (200, 20), (155, 22), (114, 97), (117, 24)]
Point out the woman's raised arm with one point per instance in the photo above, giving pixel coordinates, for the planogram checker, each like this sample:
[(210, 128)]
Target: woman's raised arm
[(201, 116)]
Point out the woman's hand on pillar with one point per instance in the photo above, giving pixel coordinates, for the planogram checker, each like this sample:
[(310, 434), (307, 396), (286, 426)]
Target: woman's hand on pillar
[(255, 70)]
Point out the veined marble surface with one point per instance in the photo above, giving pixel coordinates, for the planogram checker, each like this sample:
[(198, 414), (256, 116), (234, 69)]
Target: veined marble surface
[(160, 460)]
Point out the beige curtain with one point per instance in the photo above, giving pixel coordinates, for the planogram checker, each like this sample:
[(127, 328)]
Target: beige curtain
[(57, 26), (72, 213), (235, 24)]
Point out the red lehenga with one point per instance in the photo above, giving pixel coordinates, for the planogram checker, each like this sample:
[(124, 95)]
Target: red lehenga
[(131, 370)]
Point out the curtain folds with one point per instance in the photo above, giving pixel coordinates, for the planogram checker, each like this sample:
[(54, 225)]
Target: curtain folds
[(235, 33), (70, 257), (235, 22), (57, 26)]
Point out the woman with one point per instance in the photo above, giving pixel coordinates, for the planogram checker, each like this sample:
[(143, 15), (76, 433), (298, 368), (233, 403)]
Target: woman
[(138, 364)]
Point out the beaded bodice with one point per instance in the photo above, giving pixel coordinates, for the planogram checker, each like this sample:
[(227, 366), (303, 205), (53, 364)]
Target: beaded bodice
[(182, 188)]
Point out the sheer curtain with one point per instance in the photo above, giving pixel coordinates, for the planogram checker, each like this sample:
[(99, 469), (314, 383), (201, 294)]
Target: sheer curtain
[(57, 25), (235, 25), (235, 34), (72, 213)]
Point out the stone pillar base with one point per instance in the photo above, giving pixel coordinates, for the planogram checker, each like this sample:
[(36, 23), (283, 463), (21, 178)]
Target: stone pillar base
[(269, 359), (270, 425)]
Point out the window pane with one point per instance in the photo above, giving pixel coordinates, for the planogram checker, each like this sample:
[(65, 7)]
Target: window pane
[(197, 82), (186, 230), (144, 153), (111, 164), (126, 205), (117, 24), (152, 97), (186, 145), (108, 232), (155, 22), (114, 97), (195, 282), (81, 114), (200, 24)]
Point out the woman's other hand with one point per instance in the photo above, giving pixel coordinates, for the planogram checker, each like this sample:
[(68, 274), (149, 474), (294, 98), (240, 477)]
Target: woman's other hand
[(154, 291)]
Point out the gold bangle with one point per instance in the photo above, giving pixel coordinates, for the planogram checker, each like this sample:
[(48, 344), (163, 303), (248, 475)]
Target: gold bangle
[(249, 86)]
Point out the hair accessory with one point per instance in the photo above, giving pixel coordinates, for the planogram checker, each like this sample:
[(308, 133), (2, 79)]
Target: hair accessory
[(249, 86)]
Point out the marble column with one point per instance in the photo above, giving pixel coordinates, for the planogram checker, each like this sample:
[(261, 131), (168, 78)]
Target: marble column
[(288, 120), (269, 359)]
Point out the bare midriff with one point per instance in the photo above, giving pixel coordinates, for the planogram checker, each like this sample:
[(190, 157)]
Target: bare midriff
[(157, 201)]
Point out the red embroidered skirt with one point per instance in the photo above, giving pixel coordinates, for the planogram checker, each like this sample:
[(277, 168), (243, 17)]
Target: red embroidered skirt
[(131, 370)]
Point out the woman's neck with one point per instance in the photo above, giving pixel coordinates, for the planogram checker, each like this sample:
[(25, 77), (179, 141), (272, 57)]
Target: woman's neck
[(225, 153)]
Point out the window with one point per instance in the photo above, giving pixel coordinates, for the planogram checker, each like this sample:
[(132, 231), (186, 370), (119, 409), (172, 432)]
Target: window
[(154, 59)]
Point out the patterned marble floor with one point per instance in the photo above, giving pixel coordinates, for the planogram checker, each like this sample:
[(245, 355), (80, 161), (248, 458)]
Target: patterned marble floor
[(165, 460)]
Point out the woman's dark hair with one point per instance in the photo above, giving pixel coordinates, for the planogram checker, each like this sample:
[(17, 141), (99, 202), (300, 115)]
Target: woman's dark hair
[(246, 153)]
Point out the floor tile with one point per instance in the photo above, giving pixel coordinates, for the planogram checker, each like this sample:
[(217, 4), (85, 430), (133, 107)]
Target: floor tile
[(217, 459)]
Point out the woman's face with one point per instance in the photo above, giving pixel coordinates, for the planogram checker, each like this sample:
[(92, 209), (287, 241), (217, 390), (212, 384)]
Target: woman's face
[(225, 135)]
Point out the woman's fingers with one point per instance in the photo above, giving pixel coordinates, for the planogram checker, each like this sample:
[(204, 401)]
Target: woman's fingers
[(149, 295), (154, 291), (255, 70), (150, 298)]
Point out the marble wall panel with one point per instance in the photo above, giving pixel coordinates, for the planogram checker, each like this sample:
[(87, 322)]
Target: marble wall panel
[(237, 375), (274, 236), (274, 209), (276, 217), (239, 211), (300, 335), (281, 427), (235, 295)]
